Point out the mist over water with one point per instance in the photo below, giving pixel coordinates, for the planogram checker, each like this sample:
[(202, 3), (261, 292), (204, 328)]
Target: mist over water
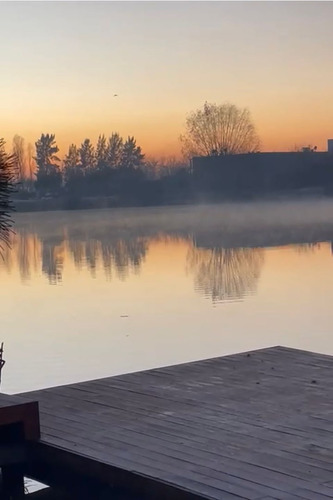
[(103, 292)]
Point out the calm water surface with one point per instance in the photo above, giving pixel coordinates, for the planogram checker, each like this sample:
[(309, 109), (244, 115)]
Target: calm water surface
[(89, 294)]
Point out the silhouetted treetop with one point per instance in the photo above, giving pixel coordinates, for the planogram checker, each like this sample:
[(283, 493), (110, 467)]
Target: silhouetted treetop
[(114, 150), (46, 149), (219, 129), (101, 152), (48, 175), (131, 155), (71, 164), (87, 155), (72, 159)]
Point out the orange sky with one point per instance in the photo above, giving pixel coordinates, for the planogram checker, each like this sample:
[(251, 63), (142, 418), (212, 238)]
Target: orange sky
[(64, 62)]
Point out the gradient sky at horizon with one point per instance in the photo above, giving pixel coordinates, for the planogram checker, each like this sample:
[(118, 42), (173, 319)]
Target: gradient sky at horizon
[(62, 63)]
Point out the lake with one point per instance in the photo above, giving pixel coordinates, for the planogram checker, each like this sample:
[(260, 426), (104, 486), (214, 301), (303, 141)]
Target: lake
[(88, 294)]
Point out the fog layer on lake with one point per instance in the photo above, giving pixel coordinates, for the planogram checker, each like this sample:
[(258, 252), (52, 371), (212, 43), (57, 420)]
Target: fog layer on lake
[(94, 293)]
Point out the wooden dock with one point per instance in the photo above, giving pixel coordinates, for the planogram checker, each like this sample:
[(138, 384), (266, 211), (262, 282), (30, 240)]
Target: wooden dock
[(251, 426)]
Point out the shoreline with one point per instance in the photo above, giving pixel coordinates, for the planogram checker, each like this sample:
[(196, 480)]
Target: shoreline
[(98, 203)]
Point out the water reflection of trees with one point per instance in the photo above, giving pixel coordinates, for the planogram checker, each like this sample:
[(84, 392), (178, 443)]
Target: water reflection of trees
[(225, 273), (29, 254), (305, 248), (24, 253), (118, 255), (53, 260), (221, 273)]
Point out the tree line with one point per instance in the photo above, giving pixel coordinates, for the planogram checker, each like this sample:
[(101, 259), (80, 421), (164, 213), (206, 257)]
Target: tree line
[(117, 169), (113, 167), (85, 166), (211, 130)]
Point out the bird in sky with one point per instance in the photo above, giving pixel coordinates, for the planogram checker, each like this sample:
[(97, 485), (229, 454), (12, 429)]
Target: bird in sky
[(115, 95)]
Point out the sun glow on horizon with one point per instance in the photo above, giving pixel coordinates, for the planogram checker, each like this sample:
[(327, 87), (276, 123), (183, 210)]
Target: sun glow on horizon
[(64, 63)]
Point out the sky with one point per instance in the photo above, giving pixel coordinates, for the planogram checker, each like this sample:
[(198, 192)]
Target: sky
[(62, 63)]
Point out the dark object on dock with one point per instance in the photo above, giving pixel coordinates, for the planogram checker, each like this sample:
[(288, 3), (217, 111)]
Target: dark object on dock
[(19, 424), (2, 361), (201, 430)]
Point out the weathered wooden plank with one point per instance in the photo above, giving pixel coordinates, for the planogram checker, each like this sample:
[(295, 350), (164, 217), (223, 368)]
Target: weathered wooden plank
[(311, 495), (252, 425), (195, 453), (102, 417), (172, 433), (148, 466), (206, 467), (177, 428), (225, 483), (214, 424), (127, 401), (166, 456), (137, 478)]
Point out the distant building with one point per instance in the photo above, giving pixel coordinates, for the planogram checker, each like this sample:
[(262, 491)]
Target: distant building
[(252, 173), (330, 145)]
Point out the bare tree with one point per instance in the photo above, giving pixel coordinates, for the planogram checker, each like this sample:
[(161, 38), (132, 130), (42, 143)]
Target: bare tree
[(219, 129), (30, 160), (19, 156)]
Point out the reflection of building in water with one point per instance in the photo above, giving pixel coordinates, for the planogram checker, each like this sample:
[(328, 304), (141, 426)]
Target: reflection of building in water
[(225, 274)]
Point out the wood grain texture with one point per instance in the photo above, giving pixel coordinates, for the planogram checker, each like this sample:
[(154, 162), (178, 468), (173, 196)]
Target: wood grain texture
[(254, 425)]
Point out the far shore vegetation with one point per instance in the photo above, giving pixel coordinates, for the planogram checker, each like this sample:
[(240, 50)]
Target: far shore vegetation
[(115, 171)]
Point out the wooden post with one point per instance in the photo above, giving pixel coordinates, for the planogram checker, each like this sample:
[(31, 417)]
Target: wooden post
[(12, 487), (2, 361)]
